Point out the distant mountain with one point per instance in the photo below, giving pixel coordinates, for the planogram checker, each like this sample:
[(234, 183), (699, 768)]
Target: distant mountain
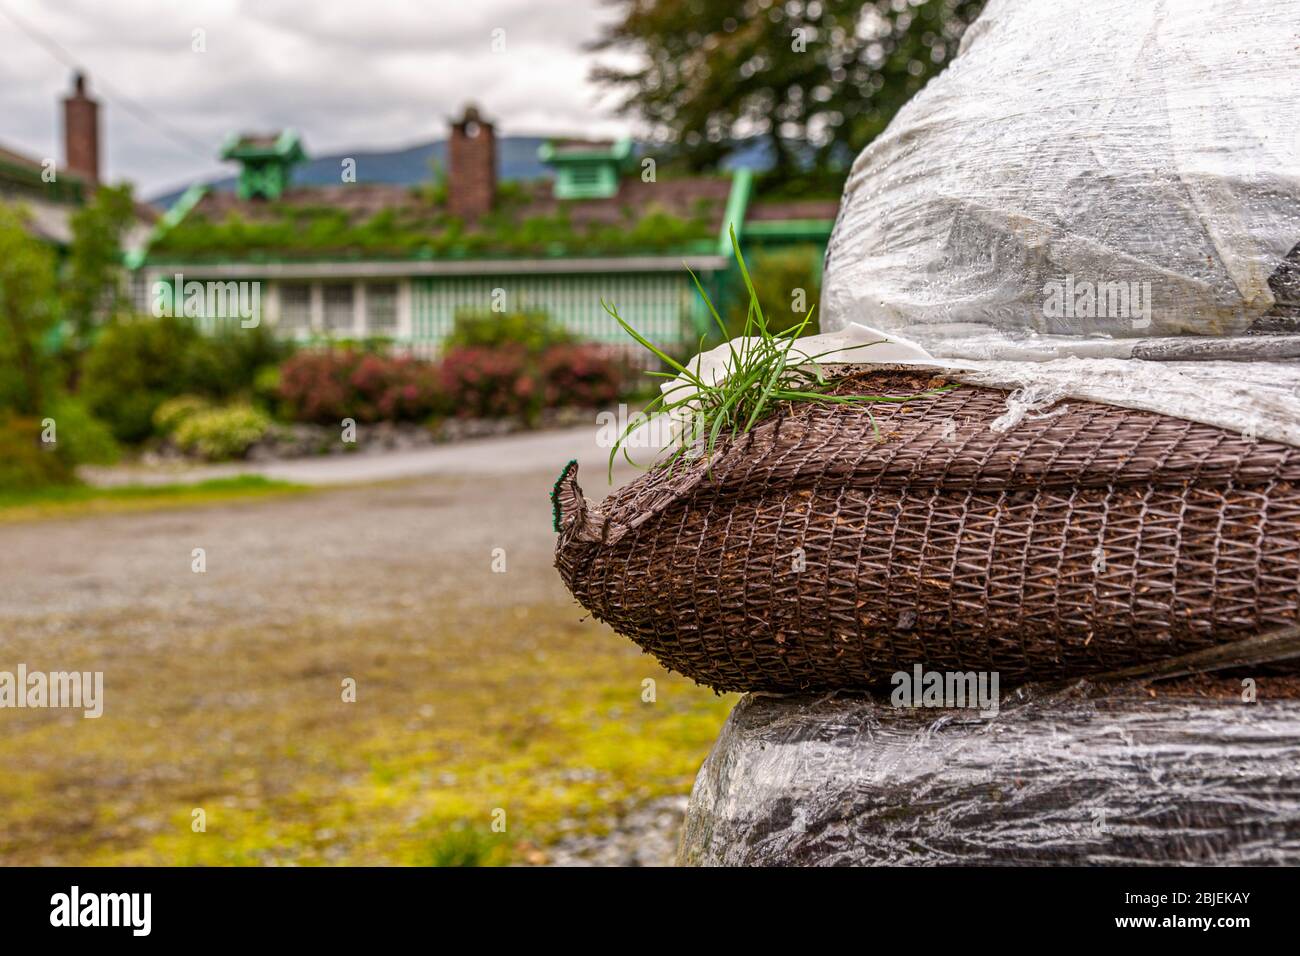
[(516, 159)]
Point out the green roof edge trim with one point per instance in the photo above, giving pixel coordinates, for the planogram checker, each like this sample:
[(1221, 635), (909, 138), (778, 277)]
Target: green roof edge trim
[(702, 248), (790, 228), (619, 151), (176, 212), (288, 144), (742, 185)]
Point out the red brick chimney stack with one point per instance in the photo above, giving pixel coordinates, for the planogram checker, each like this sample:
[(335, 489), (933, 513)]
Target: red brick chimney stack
[(472, 156), (81, 132)]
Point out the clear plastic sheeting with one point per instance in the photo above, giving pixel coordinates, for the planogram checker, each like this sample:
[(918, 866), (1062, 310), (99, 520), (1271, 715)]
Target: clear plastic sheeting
[(1260, 400), (1063, 778), (1251, 391), (1084, 171)]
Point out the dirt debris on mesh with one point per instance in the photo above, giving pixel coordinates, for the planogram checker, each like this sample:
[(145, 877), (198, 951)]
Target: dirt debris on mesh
[(1226, 687), (834, 545)]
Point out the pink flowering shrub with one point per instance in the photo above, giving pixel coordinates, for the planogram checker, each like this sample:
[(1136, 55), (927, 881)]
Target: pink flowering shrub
[(471, 381), (490, 382), (583, 374), (328, 386)]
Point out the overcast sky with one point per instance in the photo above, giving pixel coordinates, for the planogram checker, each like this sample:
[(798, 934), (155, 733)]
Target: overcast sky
[(348, 74)]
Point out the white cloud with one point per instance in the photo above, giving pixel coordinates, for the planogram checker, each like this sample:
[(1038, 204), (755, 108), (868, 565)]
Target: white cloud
[(372, 75)]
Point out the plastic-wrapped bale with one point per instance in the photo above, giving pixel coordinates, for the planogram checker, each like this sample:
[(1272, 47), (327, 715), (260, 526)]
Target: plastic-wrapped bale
[(1127, 778), (1134, 148), (830, 548)]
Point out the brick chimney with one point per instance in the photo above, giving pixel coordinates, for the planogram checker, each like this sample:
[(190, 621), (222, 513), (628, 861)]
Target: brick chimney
[(472, 155), (81, 132)]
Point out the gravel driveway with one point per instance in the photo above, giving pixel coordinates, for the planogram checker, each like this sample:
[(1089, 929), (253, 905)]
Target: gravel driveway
[(519, 454), (222, 687)]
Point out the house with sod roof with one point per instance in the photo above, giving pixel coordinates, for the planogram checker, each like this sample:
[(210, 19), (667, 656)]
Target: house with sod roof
[(49, 194), (362, 259)]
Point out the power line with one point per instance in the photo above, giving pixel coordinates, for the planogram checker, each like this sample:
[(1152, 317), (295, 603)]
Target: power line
[(142, 113)]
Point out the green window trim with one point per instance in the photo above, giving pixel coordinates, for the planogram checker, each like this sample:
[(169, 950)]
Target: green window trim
[(587, 173)]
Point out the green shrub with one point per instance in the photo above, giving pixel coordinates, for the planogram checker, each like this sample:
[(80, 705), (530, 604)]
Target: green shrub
[(266, 388), (133, 367), (41, 452), (28, 315), (535, 332), (222, 433), (91, 286), (225, 364), (81, 438), (136, 364), (26, 462), (366, 345), (168, 416)]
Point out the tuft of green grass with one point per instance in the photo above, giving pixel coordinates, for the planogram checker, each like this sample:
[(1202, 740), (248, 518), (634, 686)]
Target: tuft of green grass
[(759, 376), (462, 846), (65, 500)]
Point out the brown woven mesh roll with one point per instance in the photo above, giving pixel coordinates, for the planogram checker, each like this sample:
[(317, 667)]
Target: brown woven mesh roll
[(815, 553)]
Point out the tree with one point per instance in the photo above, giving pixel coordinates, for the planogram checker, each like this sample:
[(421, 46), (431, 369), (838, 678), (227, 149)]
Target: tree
[(28, 315), (818, 79), (92, 281)]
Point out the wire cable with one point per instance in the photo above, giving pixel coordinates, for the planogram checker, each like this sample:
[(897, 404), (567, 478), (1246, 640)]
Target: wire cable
[(141, 113)]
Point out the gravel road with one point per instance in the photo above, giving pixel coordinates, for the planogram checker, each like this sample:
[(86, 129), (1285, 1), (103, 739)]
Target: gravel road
[(424, 521), (405, 560), (521, 454)]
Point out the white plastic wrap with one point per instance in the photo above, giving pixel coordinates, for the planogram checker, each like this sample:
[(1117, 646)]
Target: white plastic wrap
[(1143, 146), (1097, 200), (1259, 398)]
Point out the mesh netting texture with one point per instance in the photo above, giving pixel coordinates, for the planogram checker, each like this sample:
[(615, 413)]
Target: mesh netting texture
[(827, 550)]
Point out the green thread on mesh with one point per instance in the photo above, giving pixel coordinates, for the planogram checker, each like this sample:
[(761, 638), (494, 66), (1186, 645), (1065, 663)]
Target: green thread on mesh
[(555, 496)]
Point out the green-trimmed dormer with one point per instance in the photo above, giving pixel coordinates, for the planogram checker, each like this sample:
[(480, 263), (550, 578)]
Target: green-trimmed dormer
[(267, 162), (586, 169)]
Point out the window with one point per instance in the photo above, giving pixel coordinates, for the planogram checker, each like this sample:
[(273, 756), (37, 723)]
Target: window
[(338, 309), (142, 293), (295, 307), (381, 308)]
